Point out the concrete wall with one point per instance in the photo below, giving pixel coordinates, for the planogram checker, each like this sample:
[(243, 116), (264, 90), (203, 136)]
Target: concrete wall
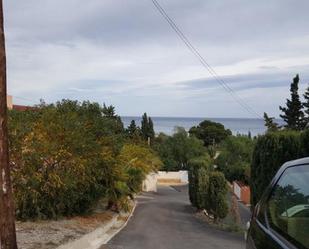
[(150, 183), (178, 176)]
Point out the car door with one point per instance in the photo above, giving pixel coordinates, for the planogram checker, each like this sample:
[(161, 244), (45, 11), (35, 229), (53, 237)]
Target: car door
[(282, 220)]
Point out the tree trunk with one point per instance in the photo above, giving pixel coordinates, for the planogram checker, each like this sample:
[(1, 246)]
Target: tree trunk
[(7, 220)]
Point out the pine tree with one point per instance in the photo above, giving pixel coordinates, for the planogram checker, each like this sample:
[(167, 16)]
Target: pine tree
[(109, 111), (306, 106), (292, 113), (132, 128), (269, 123)]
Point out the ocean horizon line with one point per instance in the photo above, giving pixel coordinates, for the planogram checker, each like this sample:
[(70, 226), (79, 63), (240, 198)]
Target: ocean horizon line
[(179, 117)]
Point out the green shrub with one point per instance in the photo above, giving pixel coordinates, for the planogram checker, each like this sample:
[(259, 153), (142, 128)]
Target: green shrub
[(198, 181), (304, 141), (270, 152), (65, 156), (207, 189), (217, 195)]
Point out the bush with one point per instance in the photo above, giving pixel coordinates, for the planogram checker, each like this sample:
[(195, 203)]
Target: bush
[(304, 143), (198, 181), (65, 156), (270, 152), (217, 192), (207, 189)]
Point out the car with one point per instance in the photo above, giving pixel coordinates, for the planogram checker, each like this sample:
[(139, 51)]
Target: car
[(280, 220)]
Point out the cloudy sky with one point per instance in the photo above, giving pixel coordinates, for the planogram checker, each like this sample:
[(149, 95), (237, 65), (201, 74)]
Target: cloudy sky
[(122, 52)]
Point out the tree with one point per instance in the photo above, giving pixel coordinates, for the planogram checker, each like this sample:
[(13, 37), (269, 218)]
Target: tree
[(306, 106), (211, 133), (132, 129), (177, 150), (109, 111), (7, 219), (234, 159), (151, 132), (269, 123), (292, 113), (147, 128)]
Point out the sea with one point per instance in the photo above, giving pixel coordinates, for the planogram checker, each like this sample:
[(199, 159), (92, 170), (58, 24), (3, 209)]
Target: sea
[(236, 125)]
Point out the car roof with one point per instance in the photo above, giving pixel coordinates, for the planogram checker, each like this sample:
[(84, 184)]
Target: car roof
[(292, 163), (296, 162)]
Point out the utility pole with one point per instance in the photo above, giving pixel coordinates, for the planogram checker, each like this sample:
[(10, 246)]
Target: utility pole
[(7, 219)]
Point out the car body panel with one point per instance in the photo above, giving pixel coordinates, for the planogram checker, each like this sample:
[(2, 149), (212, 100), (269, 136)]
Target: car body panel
[(260, 235)]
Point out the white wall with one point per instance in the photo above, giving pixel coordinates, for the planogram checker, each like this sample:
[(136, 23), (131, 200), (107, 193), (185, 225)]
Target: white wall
[(178, 175), (237, 190), (150, 183)]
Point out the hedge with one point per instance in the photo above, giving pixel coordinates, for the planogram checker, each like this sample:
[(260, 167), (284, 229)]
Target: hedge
[(270, 152), (207, 188), (198, 181)]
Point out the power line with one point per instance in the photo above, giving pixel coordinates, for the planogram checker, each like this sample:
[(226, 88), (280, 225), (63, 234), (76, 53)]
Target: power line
[(206, 65)]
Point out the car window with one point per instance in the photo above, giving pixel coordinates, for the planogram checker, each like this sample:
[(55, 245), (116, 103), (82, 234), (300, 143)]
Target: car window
[(288, 206)]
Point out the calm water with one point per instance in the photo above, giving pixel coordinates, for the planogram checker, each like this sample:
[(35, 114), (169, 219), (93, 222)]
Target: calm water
[(236, 125)]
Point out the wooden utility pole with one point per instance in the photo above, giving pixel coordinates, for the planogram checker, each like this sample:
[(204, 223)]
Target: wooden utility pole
[(7, 219)]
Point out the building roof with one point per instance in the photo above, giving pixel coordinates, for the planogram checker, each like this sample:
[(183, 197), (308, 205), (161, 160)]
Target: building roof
[(22, 108)]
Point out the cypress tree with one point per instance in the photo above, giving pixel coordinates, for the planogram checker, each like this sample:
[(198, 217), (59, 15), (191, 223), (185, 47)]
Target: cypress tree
[(151, 132), (292, 113), (145, 126)]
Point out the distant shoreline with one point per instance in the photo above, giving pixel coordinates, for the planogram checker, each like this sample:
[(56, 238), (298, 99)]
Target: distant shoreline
[(237, 125)]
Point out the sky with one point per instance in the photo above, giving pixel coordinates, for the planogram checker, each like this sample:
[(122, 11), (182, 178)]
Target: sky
[(122, 52)]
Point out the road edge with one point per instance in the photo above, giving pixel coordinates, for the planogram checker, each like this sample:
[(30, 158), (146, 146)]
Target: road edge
[(101, 235)]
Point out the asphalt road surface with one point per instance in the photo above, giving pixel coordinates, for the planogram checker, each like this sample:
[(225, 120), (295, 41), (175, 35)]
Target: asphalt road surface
[(165, 220)]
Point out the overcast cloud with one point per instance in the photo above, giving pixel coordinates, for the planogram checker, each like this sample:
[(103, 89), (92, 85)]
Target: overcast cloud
[(122, 52)]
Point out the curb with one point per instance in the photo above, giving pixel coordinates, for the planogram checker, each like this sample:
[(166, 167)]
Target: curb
[(123, 226), (100, 236)]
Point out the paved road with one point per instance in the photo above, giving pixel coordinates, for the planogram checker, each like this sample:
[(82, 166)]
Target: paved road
[(244, 212), (165, 220)]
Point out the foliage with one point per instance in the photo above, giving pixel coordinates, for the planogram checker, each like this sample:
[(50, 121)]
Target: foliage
[(292, 113), (304, 142), (199, 181), (134, 132), (270, 152), (211, 133), (147, 130), (207, 188), (217, 192), (234, 159), (270, 124), (176, 150), (65, 156), (306, 107)]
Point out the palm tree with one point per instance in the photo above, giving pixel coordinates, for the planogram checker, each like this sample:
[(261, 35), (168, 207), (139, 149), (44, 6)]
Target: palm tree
[(7, 219)]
